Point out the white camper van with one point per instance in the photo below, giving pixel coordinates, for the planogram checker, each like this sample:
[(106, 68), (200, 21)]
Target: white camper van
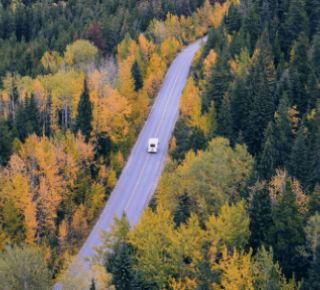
[(153, 144)]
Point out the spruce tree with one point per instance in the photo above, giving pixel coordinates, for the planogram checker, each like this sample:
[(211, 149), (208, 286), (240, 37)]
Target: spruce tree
[(93, 285), (315, 59), (283, 133), (299, 164), (314, 201), (84, 116), (261, 88), (287, 231), (312, 282), (6, 139), (260, 216), (120, 265), (314, 177), (137, 76), (268, 159), (218, 83), (296, 22)]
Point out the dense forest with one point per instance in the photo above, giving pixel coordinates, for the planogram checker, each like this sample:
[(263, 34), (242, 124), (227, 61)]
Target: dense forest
[(238, 205)]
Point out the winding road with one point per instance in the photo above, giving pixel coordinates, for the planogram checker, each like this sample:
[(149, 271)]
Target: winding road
[(141, 174)]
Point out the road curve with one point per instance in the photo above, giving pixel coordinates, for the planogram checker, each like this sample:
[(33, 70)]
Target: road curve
[(141, 174)]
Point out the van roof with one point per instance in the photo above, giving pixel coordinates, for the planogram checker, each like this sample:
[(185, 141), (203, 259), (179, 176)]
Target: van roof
[(153, 140)]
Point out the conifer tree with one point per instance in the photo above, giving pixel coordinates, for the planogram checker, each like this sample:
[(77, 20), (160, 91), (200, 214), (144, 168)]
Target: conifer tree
[(84, 115), (260, 216), (299, 164), (314, 201), (261, 84), (217, 83), (287, 232), (137, 76), (269, 155), (312, 281)]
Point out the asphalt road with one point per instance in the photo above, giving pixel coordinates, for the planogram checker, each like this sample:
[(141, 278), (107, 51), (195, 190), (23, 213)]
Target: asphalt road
[(141, 174)]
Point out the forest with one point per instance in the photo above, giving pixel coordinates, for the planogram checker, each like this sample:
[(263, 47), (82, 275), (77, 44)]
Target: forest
[(238, 204)]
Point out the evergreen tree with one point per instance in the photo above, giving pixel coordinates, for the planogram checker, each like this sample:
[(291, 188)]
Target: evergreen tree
[(233, 19), (314, 177), (314, 201), (225, 119), (137, 76), (6, 139), (312, 281), (217, 83), (260, 216), (121, 267), (315, 59), (287, 232), (299, 73), (93, 285), (296, 22), (299, 163), (269, 156), (261, 86), (197, 139), (313, 10), (84, 115), (283, 136)]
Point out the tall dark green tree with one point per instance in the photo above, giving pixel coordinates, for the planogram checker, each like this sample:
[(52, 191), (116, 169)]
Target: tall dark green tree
[(299, 164), (6, 139), (260, 216), (314, 201), (283, 132), (267, 162), (218, 83), (84, 115), (287, 232), (137, 76), (261, 89), (312, 282), (296, 22)]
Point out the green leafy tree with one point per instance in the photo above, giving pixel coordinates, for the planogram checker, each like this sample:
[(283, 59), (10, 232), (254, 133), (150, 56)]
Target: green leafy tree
[(24, 268), (6, 138)]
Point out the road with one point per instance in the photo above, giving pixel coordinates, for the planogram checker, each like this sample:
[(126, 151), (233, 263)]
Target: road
[(141, 174)]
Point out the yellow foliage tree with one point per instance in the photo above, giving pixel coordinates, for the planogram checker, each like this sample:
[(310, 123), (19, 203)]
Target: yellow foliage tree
[(191, 104), (236, 271)]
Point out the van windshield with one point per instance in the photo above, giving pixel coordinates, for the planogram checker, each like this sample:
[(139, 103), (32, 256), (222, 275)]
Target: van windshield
[(152, 145)]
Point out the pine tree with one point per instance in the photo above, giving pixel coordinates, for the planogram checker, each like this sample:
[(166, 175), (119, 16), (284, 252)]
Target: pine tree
[(269, 156), (261, 85), (296, 22), (217, 83), (312, 281), (6, 139), (299, 164), (225, 119), (313, 10), (84, 116), (315, 59), (299, 73), (314, 151), (260, 216), (287, 232), (120, 265), (93, 285), (137, 76), (314, 201)]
